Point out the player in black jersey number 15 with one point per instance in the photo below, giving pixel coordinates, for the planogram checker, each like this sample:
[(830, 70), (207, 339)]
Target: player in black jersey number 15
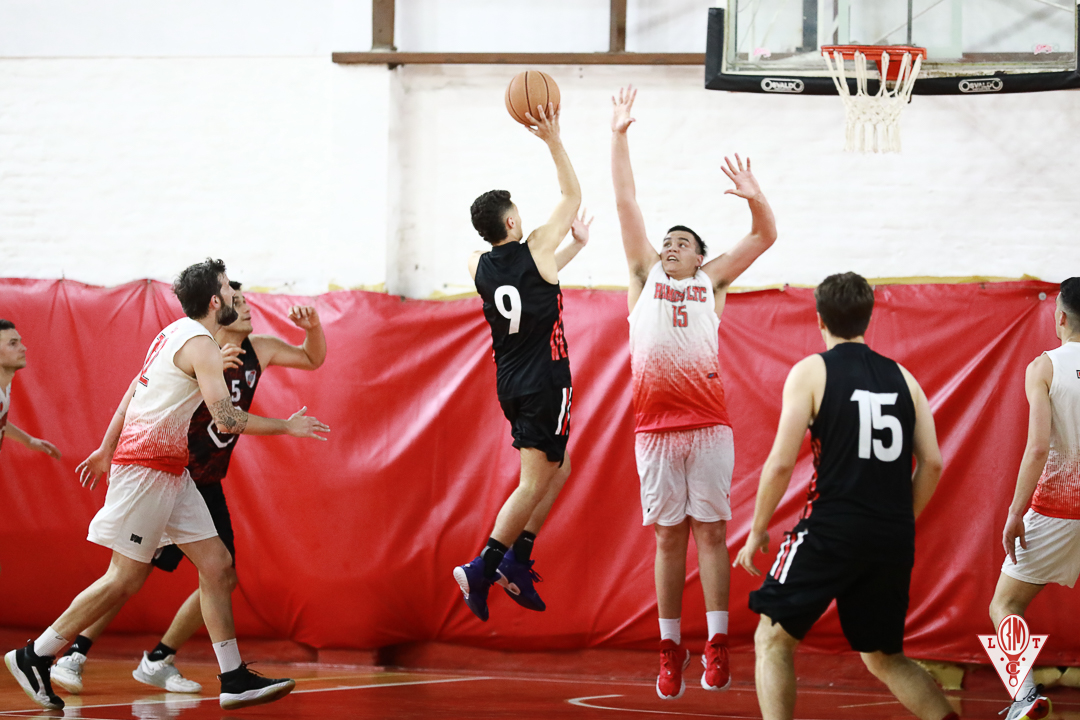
[(855, 544), (519, 283)]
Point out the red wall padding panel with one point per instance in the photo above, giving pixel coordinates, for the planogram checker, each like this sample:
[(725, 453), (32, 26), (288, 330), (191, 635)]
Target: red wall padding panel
[(351, 543)]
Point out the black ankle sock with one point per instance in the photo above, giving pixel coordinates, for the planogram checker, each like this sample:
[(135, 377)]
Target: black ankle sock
[(523, 546), (161, 652), (81, 645), (492, 555)]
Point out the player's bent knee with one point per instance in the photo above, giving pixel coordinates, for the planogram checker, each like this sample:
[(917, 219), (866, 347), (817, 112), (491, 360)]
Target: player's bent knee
[(771, 636)]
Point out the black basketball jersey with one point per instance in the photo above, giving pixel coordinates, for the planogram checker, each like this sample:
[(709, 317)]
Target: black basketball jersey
[(525, 314), (862, 439), (208, 450)]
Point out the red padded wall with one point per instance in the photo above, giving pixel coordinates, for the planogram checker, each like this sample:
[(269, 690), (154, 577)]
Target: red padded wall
[(351, 543)]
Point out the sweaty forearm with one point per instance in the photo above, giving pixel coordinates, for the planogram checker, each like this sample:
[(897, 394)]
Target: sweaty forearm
[(771, 489), (923, 484), (622, 172), (315, 346), (568, 182), (1031, 468), (762, 220), (18, 435)]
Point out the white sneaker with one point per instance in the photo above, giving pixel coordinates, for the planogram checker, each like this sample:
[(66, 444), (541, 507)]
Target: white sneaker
[(67, 672), (162, 674), (1035, 706)]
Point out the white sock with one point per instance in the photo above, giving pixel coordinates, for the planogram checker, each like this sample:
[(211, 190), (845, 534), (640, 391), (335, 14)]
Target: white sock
[(717, 620), (50, 643), (1026, 686), (671, 630), (228, 655)]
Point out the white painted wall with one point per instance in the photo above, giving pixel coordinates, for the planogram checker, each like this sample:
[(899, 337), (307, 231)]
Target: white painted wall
[(142, 136)]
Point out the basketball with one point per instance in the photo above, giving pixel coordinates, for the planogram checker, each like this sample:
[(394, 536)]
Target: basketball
[(528, 89)]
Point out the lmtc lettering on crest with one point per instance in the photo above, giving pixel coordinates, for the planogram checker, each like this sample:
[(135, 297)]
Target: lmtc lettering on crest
[(695, 293)]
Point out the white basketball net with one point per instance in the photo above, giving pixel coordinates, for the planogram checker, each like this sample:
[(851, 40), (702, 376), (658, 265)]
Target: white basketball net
[(873, 121)]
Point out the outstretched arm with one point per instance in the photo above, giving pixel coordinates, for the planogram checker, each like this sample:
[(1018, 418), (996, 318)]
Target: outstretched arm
[(24, 438), (308, 356), (640, 254), (1040, 374), (579, 232), (724, 269), (546, 238), (204, 358), (795, 417)]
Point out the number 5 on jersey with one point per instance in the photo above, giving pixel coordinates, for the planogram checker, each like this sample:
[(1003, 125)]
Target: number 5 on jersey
[(870, 419), (513, 312)]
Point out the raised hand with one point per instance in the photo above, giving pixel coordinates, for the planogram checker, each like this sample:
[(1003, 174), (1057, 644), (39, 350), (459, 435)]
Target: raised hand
[(94, 468), (580, 228), (620, 119), (746, 185), (230, 355), (547, 127), (756, 541), (302, 426), (304, 316)]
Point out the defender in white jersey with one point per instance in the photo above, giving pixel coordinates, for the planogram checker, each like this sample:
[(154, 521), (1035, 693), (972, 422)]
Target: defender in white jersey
[(152, 500), (684, 446), (1042, 533), (13, 359)]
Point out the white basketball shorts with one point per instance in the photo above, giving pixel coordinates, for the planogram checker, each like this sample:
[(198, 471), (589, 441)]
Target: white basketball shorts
[(685, 473), (1052, 554), (146, 509)]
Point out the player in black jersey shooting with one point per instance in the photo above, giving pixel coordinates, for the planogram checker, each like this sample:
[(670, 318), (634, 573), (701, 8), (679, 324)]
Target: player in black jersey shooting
[(519, 283), (868, 418), (209, 452)]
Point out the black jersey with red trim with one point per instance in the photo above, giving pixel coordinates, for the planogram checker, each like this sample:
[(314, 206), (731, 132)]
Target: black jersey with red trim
[(862, 442), (209, 451), (525, 314)]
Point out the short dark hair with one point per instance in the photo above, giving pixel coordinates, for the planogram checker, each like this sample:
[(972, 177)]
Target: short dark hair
[(197, 285), (1070, 301), (6, 324), (488, 212), (701, 247), (234, 284), (845, 302)]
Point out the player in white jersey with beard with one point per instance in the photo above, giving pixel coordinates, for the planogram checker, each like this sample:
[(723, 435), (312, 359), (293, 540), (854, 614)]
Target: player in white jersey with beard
[(684, 445), (152, 501), (1042, 532)]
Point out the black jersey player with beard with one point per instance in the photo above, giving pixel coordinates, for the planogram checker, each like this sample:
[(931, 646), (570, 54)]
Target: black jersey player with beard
[(855, 544), (519, 283), (209, 452)]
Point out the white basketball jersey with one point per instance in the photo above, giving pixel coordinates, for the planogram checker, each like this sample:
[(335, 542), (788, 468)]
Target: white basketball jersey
[(673, 354), (156, 425), (1058, 492)]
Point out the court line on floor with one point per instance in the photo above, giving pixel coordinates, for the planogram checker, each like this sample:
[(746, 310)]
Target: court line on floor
[(580, 702), (22, 713)]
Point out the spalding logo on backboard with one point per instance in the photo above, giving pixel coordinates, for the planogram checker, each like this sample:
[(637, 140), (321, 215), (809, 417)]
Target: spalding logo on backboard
[(782, 85)]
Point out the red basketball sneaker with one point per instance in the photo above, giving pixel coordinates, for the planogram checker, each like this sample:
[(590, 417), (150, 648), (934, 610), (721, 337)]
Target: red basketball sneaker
[(673, 660), (717, 675)]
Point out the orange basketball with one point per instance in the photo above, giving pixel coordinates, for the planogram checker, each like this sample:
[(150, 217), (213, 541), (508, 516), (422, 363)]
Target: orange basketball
[(527, 90)]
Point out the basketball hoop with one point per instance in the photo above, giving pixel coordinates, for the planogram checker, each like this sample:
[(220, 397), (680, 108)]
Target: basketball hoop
[(873, 121)]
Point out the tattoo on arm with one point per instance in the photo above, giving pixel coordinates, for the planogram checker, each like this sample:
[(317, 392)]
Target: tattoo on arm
[(229, 419)]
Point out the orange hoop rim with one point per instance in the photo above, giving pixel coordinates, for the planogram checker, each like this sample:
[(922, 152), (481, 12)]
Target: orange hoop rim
[(874, 52)]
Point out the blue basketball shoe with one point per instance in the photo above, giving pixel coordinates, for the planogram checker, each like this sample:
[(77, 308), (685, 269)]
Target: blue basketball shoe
[(474, 586), (517, 579)]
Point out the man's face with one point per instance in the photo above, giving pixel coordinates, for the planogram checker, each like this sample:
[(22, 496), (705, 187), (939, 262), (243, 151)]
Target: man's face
[(243, 310), (679, 256), (226, 314), (12, 350)]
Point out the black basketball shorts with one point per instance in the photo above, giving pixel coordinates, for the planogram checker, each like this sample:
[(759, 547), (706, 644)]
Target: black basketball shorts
[(541, 420), (871, 593), (168, 557)]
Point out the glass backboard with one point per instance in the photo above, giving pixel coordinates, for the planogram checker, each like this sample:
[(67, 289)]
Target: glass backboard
[(973, 46)]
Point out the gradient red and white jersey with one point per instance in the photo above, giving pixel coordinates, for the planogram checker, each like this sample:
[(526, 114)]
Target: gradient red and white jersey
[(5, 405), (1058, 492), (155, 432), (673, 355)]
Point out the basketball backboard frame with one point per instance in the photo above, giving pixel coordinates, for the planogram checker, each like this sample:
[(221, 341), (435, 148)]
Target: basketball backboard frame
[(727, 70)]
